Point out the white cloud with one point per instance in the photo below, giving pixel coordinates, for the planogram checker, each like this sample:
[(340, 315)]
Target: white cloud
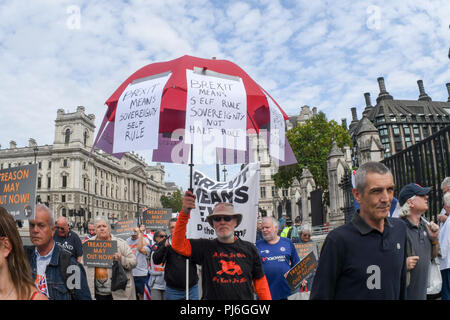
[(317, 53)]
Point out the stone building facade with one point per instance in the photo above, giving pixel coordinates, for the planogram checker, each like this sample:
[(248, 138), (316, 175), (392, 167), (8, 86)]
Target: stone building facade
[(80, 185)]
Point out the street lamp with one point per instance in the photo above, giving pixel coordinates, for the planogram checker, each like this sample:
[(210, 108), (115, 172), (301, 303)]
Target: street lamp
[(224, 173), (89, 197), (35, 150)]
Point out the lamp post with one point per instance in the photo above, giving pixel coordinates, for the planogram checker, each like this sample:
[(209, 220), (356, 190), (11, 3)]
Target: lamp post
[(89, 197), (224, 173)]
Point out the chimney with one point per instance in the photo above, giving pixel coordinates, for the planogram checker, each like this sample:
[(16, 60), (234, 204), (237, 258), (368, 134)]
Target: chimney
[(448, 90), (354, 115), (367, 97), (368, 104), (422, 95), (384, 95)]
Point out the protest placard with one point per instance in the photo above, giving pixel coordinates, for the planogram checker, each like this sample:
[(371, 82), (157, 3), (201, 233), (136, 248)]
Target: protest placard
[(123, 228), (216, 111), (99, 253), (303, 249), (136, 122), (242, 191), (18, 191), (277, 131), (157, 219), (301, 271)]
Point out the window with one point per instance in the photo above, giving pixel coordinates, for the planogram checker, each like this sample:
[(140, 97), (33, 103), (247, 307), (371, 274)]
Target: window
[(406, 130), (64, 181), (263, 192), (396, 130), (85, 136), (49, 164), (426, 131), (65, 163), (40, 164), (67, 136), (380, 119), (39, 182), (63, 198), (49, 182)]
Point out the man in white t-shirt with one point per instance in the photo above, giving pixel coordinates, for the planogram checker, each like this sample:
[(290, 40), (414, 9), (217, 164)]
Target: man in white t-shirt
[(139, 244)]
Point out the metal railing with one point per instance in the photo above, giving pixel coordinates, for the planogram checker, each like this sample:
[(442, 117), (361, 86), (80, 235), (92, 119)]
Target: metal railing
[(426, 163)]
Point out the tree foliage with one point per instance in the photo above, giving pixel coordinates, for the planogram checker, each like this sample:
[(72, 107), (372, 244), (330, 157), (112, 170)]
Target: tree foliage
[(311, 144), (173, 201)]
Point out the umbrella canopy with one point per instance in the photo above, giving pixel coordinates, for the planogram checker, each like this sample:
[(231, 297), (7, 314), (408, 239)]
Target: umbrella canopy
[(172, 116), (173, 102)]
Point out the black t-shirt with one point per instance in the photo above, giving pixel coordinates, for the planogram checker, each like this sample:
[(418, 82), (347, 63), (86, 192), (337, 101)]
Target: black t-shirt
[(71, 243), (228, 270)]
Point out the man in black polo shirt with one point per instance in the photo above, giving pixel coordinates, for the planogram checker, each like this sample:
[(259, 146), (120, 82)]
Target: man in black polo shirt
[(365, 258), (423, 241)]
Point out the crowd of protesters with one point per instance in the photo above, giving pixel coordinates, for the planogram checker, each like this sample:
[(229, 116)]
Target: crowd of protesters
[(374, 256)]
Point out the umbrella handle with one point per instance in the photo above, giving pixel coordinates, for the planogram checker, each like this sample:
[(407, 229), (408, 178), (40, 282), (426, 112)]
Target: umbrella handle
[(191, 165)]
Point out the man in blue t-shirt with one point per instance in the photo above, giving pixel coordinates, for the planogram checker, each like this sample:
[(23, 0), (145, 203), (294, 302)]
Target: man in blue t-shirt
[(365, 258), (278, 256), (68, 239)]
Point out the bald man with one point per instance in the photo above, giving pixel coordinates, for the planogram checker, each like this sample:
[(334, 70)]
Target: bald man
[(68, 239)]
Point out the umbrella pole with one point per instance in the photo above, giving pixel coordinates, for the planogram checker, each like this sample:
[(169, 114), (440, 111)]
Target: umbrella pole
[(191, 165)]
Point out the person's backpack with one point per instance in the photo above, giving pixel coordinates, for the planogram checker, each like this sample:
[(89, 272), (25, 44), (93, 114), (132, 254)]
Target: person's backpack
[(64, 263)]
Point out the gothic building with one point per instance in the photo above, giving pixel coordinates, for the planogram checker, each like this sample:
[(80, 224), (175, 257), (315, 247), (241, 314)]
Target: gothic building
[(393, 125), (80, 185)]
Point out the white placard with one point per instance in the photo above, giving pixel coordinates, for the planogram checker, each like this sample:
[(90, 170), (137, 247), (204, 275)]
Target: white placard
[(277, 131), (137, 116), (216, 111), (242, 191)]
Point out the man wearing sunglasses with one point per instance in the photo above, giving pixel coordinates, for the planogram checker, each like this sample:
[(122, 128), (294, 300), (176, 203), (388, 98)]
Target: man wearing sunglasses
[(230, 266), (68, 239)]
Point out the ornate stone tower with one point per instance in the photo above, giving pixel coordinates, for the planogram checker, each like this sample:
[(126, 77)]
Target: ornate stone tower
[(74, 129)]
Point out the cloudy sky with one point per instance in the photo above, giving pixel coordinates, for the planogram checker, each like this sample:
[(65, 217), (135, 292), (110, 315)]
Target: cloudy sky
[(63, 54)]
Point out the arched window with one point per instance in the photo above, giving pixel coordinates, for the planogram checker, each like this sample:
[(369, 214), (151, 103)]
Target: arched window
[(85, 136), (67, 136)]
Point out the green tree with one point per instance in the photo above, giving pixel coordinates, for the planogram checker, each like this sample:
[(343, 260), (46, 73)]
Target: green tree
[(173, 201), (311, 144)]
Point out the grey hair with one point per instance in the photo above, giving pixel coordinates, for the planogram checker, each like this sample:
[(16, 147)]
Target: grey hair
[(306, 227), (272, 219), (446, 198), (43, 207), (405, 210), (445, 183), (364, 169), (102, 218)]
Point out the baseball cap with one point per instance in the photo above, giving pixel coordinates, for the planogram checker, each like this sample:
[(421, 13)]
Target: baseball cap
[(410, 190)]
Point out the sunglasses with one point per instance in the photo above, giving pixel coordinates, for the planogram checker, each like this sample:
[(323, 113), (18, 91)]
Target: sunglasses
[(162, 235), (225, 218)]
